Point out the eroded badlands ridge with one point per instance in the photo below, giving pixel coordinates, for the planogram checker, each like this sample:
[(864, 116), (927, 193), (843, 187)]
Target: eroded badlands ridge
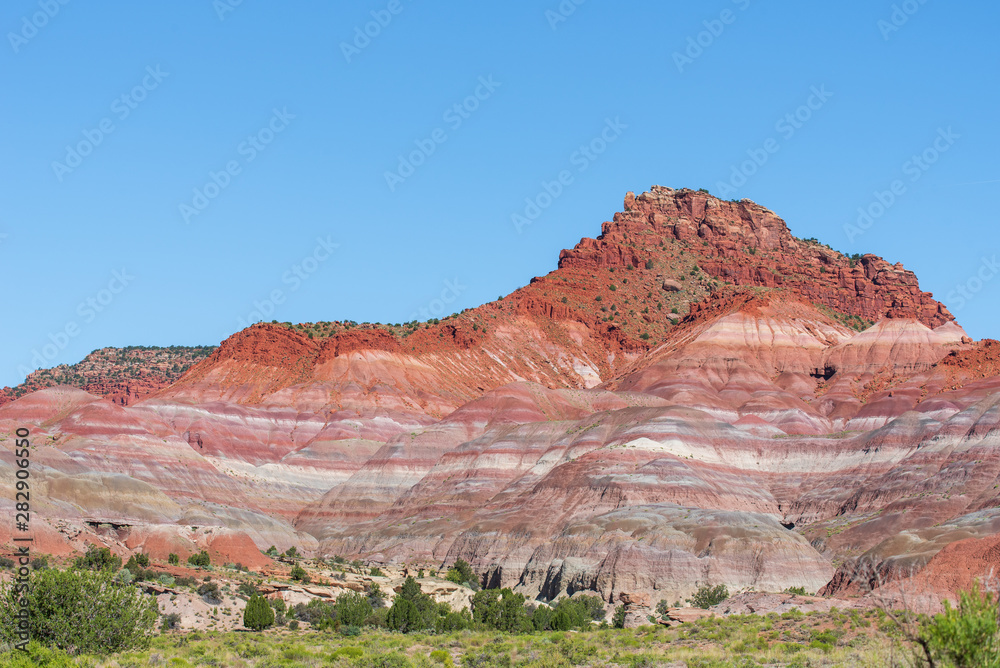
[(695, 396)]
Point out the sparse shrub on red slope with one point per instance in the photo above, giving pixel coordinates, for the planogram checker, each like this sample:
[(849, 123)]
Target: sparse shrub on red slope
[(123, 375)]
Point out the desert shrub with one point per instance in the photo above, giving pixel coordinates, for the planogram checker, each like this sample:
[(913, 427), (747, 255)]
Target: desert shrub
[(798, 591), (173, 559), (353, 608), (481, 659), (461, 573), (350, 630), (320, 614), (36, 655), (967, 635), (454, 621), (375, 571), (299, 574), (247, 589), (441, 656), (201, 560), (81, 611), (404, 616), (618, 619), (170, 622), (347, 653), (166, 580), (383, 660), (98, 559), (40, 563), (185, 581), (258, 615), (210, 593), (6, 563), (413, 610), (501, 609), (707, 596)]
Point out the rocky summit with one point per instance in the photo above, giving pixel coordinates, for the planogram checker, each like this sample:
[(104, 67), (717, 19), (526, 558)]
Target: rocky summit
[(693, 397)]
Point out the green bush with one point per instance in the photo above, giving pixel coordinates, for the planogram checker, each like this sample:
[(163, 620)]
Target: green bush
[(210, 593), (321, 615), (461, 573), (201, 559), (170, 622), (501, 609), (568, 613), (81, 611), (173, 559), (404, 616), (707, 596), (347, 653), (967, 635), (258, 615), (37, 655), (618, 619), (375, 571), (98, 559), (299, 574), (353, 608), (441, 656)]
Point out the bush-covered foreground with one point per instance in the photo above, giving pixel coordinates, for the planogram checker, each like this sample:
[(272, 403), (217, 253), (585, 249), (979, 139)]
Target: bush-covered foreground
[(792, 639)]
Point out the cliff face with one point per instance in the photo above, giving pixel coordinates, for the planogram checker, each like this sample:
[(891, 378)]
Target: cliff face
[(694, 396), (746, 244)]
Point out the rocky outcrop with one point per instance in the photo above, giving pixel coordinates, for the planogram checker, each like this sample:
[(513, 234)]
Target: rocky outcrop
[(746, 244), (122, 375)]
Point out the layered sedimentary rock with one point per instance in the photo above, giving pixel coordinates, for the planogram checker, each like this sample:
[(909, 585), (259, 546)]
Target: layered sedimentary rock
[(694, 397)]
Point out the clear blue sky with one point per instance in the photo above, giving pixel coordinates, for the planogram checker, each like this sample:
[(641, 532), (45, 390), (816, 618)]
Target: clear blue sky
[(552, 87)]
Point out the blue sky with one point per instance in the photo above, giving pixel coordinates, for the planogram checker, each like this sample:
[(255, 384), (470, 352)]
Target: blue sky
[(217, 155)]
